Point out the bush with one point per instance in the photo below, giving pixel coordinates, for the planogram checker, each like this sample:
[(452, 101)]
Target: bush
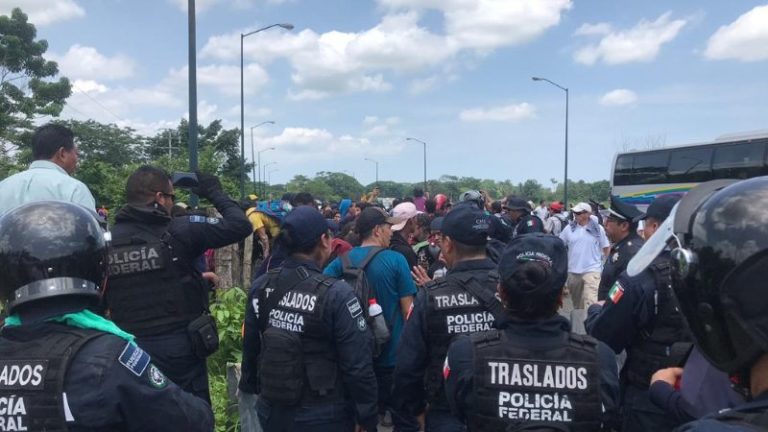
[(228, 310)]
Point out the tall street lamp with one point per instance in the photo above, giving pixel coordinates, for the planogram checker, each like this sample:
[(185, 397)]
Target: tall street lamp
[(253, 159), (259, 163), (425, 160), (377, 169), (565, 179), (265, 174), (242, 103), (269, 175)]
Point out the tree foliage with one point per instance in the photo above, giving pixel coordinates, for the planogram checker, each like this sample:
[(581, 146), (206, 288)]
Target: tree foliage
[(26, 88)]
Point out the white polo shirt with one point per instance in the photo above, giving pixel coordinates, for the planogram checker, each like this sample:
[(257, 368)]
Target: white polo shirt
[(585, 250)]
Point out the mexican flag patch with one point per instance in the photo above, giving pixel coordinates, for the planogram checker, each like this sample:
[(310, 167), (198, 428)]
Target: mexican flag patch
[(616, 292)]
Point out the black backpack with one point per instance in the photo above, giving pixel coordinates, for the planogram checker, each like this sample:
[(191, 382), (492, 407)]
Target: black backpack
[(355, 276)]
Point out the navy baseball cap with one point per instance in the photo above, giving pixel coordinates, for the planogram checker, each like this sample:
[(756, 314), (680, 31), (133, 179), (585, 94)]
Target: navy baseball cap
[(546, 249), (661, 207), (516, 203), (304, 225), (436, 224), (466, 224)]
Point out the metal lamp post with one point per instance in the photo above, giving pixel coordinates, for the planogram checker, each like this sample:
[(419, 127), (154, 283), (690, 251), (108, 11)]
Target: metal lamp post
[(259, 164), (253, 159), (269, 176), (565, 183), (265, 174), (242, 102), (425, 159), (377, 169)]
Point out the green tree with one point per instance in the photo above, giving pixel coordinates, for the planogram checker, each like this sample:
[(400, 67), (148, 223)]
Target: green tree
[(26, 89), (342, 185)]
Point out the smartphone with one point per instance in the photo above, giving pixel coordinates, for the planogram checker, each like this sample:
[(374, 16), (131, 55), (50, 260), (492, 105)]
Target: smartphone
[(184, 180)]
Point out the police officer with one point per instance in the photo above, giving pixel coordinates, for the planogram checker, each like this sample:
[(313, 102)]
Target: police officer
[(307, 349), (520, 217), (462, 302), (640, 315), (532, 371), (155, 291), (621, 229), (62, 366), (719, 247)]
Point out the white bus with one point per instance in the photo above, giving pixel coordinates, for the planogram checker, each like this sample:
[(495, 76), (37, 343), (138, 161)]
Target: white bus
[(640, 176)]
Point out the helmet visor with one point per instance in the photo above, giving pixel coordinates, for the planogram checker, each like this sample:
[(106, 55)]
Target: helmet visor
[(654, 246)]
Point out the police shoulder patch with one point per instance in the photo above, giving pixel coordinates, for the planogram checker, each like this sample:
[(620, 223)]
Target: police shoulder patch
[(353, 306), (134, 359), (212, 220), (157, 378), (197, 219)]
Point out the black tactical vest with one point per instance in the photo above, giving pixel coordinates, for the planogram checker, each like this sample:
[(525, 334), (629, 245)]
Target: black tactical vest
[(151, 288), (294, 325), (32, 373), (513, 385), (460, 303), (653, 349)]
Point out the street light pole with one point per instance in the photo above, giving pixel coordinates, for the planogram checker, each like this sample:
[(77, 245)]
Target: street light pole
[(425, 160), (265, 174), (377, 169), (565, 183), (253, 159), (269, 176), (259, 163), (242, 102)]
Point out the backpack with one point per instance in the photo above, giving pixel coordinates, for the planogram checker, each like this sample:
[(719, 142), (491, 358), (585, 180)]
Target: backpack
[(355, 276)]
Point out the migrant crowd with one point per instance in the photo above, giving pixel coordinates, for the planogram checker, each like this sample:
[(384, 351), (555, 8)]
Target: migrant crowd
[(436, 314)]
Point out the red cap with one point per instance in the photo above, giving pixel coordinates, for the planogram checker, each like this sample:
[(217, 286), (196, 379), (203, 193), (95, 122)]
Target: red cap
[(371, 301), (556, 206)]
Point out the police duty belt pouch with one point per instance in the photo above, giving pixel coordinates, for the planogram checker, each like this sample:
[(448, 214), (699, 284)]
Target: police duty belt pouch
[(204, 335), (281, 367)]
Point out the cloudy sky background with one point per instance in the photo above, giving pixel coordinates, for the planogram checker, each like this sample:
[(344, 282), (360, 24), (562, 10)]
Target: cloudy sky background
[(355, 77)]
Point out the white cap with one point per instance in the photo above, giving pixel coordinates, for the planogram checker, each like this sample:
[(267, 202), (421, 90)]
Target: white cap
[(403, 211), (582, 207)]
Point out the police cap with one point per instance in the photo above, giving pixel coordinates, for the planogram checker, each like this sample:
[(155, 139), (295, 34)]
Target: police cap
[(304, 226), (542, 248), (623, 211), (467, 224)]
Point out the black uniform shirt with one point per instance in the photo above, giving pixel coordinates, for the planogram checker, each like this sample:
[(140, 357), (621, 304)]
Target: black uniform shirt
[(618, 258), (353, 347)]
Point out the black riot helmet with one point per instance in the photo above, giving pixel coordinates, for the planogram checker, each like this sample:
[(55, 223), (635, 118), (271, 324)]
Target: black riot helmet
[(719, 267), (48, 249)]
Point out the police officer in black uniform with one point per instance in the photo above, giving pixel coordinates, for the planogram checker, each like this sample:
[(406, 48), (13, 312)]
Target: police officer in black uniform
[(62, 366), (155, 292), (640, 315), (621, 229), (719, 269), (307, 349), (531, 372), (520, 216), (462, 302)]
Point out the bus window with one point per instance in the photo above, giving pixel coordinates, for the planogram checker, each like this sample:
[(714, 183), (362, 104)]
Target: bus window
[(622, 175), (650, 168), (690, 165), (740, 161)]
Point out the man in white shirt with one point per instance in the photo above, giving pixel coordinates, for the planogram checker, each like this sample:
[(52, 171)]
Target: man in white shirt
[(48, 178), (587, 246)]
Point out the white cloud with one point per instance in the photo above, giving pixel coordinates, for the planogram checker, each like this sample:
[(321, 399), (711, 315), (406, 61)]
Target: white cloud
[(587, 29), (507, 113), (640, 43), (88, 86), (341, 62), (44, 12), (618, 97), (225, 78), (745, 39), (83, 62)]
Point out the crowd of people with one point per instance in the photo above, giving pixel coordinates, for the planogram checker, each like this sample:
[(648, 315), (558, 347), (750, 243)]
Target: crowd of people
[(431, 314)]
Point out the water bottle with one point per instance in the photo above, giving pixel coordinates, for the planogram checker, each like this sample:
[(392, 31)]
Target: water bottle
[(380, 329)]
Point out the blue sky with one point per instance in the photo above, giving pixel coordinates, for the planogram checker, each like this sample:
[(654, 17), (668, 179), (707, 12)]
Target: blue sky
[(355, 77)]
